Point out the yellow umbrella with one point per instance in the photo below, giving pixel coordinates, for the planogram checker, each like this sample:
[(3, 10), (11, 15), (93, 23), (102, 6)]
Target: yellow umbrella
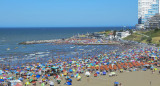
[(27, 83), (121, 69), (155, 68), (65, 73), (79, 77), (74, 70)]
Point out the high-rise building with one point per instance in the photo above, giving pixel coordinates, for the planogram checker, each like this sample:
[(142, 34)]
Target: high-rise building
[(147, 9)]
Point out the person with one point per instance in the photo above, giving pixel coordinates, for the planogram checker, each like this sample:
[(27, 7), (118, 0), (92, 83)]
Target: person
[(51, 83), (58, 80), (72, 75), (79, 78), (68, 83), (87, 74), (116, 83), (120, 84), (152, 72), (70, 80), (104, 72), (67, 77), (42, 84), (95, 75)]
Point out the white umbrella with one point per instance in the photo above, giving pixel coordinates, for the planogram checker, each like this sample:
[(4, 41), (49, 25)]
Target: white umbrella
[(51, 82), (113, 73), (87, 73)]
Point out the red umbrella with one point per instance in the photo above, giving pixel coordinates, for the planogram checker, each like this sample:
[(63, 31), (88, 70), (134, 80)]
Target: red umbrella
[(18, 84)]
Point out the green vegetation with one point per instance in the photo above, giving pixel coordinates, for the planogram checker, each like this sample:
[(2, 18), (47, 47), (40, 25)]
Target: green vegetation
[(107, 32), (151, 36), (149, 40), (135, 37)]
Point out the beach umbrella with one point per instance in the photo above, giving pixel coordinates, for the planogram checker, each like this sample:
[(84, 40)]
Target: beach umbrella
[(1, 80), (116, 83), (69, 83), (113, 73), (70, 70), (155, 68), (38, 76), (87, 73), (20, 79), (30, 80), (79, 77), (54, 67), (121, 69), (18, 84), (144, 69)]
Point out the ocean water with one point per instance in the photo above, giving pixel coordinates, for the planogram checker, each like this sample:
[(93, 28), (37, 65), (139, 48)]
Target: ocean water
[(10, 37)]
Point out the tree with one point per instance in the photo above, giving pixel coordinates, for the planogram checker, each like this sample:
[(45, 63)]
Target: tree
[(149, 40), (131, 31), (114, 33), (121, 30), (156, 29)]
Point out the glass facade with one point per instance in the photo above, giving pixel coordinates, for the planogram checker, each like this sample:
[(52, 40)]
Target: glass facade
[(147, 9)]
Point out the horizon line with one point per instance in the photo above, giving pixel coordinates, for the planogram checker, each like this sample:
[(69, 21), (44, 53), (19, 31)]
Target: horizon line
[(69, 27)]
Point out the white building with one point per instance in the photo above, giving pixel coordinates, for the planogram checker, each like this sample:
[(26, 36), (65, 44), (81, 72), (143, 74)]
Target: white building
[(122, 34), (147, 9)]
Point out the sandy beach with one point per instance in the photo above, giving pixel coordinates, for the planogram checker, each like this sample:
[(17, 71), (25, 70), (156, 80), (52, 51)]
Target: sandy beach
[(138, 70), (135, 78)]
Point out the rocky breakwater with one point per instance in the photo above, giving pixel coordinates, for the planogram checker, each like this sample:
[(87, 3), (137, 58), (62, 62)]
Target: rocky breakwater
[(39, 42)]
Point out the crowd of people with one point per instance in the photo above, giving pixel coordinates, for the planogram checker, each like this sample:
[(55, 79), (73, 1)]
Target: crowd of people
[(130, 59)]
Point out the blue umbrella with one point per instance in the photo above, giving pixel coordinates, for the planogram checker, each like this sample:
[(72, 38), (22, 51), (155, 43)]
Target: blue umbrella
[(69, 83), (116, 82), (1, 80), (144, 69), (38, 76), (70, 70)]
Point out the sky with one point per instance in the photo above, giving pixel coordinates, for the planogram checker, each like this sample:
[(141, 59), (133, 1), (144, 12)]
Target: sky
[(68, 13)]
